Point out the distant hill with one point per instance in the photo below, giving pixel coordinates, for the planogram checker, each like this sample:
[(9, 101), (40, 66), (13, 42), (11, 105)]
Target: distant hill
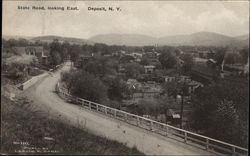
[(124, 39), (7, 37), (195, 39), (242, 37), (202, 39), (62, 39)]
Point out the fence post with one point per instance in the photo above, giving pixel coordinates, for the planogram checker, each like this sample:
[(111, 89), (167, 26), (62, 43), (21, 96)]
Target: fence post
[(138, 121), (151, 125), (167, 131), (97, 108), (233, 151), (82, 102), (207, 144), (185, 137), (126, 117), (115, 113), (105, 108), (89, 105)]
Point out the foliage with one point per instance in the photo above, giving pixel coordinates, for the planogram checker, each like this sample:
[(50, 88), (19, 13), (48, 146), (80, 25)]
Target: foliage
[(219, 55), (188, 63), (85, 85), (232, 58), (101, 66), (208, 103), (167, 60), (117, 89), (126, 59), (244, 53), (149, 107), (133, 69), (144, 61)]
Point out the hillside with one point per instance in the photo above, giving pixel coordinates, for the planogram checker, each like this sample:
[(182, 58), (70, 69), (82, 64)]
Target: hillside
[(201, 39), (27, 131), (62, 39), (195, 39), (124, 39), (7, 37), (242, 37)]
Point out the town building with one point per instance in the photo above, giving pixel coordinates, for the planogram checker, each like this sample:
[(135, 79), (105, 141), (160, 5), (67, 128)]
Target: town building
[(149, 69), (170, 78), (82, 60), (35, 51)]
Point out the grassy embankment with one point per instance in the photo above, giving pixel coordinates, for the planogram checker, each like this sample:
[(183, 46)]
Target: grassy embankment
[(27, 131)]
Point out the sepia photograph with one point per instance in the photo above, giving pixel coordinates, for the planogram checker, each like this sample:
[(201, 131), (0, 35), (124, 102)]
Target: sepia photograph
[(130, 77)]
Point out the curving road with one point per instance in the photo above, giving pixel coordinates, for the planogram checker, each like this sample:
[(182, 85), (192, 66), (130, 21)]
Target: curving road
[(43, 96)]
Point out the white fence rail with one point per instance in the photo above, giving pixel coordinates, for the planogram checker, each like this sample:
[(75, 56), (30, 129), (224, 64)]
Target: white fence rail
[(207, 143)]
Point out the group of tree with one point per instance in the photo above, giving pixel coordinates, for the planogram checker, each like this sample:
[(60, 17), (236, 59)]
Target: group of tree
[(221, 111), (95, 88), (84, 85)]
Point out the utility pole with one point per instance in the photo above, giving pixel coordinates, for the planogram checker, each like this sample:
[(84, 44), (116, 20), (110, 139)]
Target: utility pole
[(182, 101)]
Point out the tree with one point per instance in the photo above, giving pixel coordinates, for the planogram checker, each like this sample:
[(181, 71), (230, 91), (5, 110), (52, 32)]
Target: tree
[(219, 55), (211, 102), (132, 70), (244, 53), (232, 58), (55, 58), (55, 53), (86, 86), (166, 102), (188, 63), (74, 52), (144, 61), (117, 89), (149, 107), (171, 88), (69, 78), (126, 59), (225, 122), (167, 60)]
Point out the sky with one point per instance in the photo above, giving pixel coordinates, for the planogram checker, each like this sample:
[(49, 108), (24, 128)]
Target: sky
[(153, 18)]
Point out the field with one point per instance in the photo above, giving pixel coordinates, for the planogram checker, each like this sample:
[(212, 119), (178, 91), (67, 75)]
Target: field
[(27, 131)]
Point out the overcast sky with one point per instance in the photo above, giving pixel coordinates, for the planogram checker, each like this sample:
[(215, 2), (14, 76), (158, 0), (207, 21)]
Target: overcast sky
[(162, 18)]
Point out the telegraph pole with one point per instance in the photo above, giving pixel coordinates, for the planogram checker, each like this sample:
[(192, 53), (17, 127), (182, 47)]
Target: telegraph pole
[(182, 101)]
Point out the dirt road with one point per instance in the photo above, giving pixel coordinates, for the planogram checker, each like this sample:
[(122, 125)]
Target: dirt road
[(147, 142)]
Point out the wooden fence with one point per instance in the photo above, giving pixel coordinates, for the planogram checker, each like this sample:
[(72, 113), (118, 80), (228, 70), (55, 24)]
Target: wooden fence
[(207, 143)]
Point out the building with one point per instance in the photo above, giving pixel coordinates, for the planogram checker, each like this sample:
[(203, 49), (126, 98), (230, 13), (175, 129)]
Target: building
[(82, 60), (134, 84), (149, 69), (35, 51), (170, 78)]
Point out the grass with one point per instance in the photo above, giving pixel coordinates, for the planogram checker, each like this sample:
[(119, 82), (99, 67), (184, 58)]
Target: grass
[(24, 128)]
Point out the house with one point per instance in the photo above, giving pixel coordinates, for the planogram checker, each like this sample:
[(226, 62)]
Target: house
[(135, 55), (35, 51), (211, 63), (133, 83), (119, 53), (193, 85), (44, 60), (173, 117), (149, 69), (82, 60), (121, 68), (200, 61), (151, 55), (170, 78), (206, 54)]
